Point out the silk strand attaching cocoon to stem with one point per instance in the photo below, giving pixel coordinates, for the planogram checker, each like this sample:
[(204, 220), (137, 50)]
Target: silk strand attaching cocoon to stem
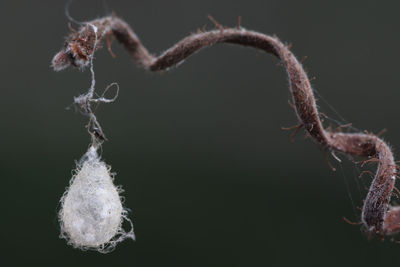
[(91, 214)]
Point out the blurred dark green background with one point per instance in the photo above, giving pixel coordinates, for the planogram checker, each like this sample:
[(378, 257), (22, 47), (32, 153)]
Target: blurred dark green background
[(210, 177)]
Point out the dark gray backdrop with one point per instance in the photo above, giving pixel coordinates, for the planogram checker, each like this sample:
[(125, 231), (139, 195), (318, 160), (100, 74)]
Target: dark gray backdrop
[(211, 178)]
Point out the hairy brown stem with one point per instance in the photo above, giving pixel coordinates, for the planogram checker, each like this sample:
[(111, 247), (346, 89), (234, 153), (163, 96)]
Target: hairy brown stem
[(377, 215)]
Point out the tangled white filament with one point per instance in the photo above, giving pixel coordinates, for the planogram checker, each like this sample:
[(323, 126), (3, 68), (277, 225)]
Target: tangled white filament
[(92, 214)]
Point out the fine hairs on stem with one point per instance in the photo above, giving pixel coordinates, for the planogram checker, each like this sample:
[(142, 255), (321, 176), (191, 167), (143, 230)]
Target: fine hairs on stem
[(378, 217)]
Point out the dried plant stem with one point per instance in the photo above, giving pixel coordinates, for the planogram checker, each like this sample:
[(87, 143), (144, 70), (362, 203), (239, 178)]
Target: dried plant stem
[(377, 215)]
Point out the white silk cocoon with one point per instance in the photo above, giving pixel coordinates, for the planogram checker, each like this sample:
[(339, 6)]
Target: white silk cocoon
[(91, 212)]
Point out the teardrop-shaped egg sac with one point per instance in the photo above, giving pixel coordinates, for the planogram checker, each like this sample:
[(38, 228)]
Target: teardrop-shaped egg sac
[(91, 213)]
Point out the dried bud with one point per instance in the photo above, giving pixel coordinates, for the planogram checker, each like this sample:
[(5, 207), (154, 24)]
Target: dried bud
[(61, 60)]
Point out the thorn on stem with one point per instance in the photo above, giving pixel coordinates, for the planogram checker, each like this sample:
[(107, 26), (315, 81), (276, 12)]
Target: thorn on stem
[(291, 105), (350, 222), (239, 22), (366, 172), (328, 162), (340, 127), (109, 42), (381, 132), (71, 28), (296, 130), (216, 23)]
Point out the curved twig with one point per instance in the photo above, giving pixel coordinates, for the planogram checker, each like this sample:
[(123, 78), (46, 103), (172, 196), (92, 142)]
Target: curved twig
[(377, 215)]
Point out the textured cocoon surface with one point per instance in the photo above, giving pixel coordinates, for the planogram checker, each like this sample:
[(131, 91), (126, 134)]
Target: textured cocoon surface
[(91, 214)]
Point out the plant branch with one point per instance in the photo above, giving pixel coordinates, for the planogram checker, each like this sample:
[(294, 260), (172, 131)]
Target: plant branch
[(377, 215)]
